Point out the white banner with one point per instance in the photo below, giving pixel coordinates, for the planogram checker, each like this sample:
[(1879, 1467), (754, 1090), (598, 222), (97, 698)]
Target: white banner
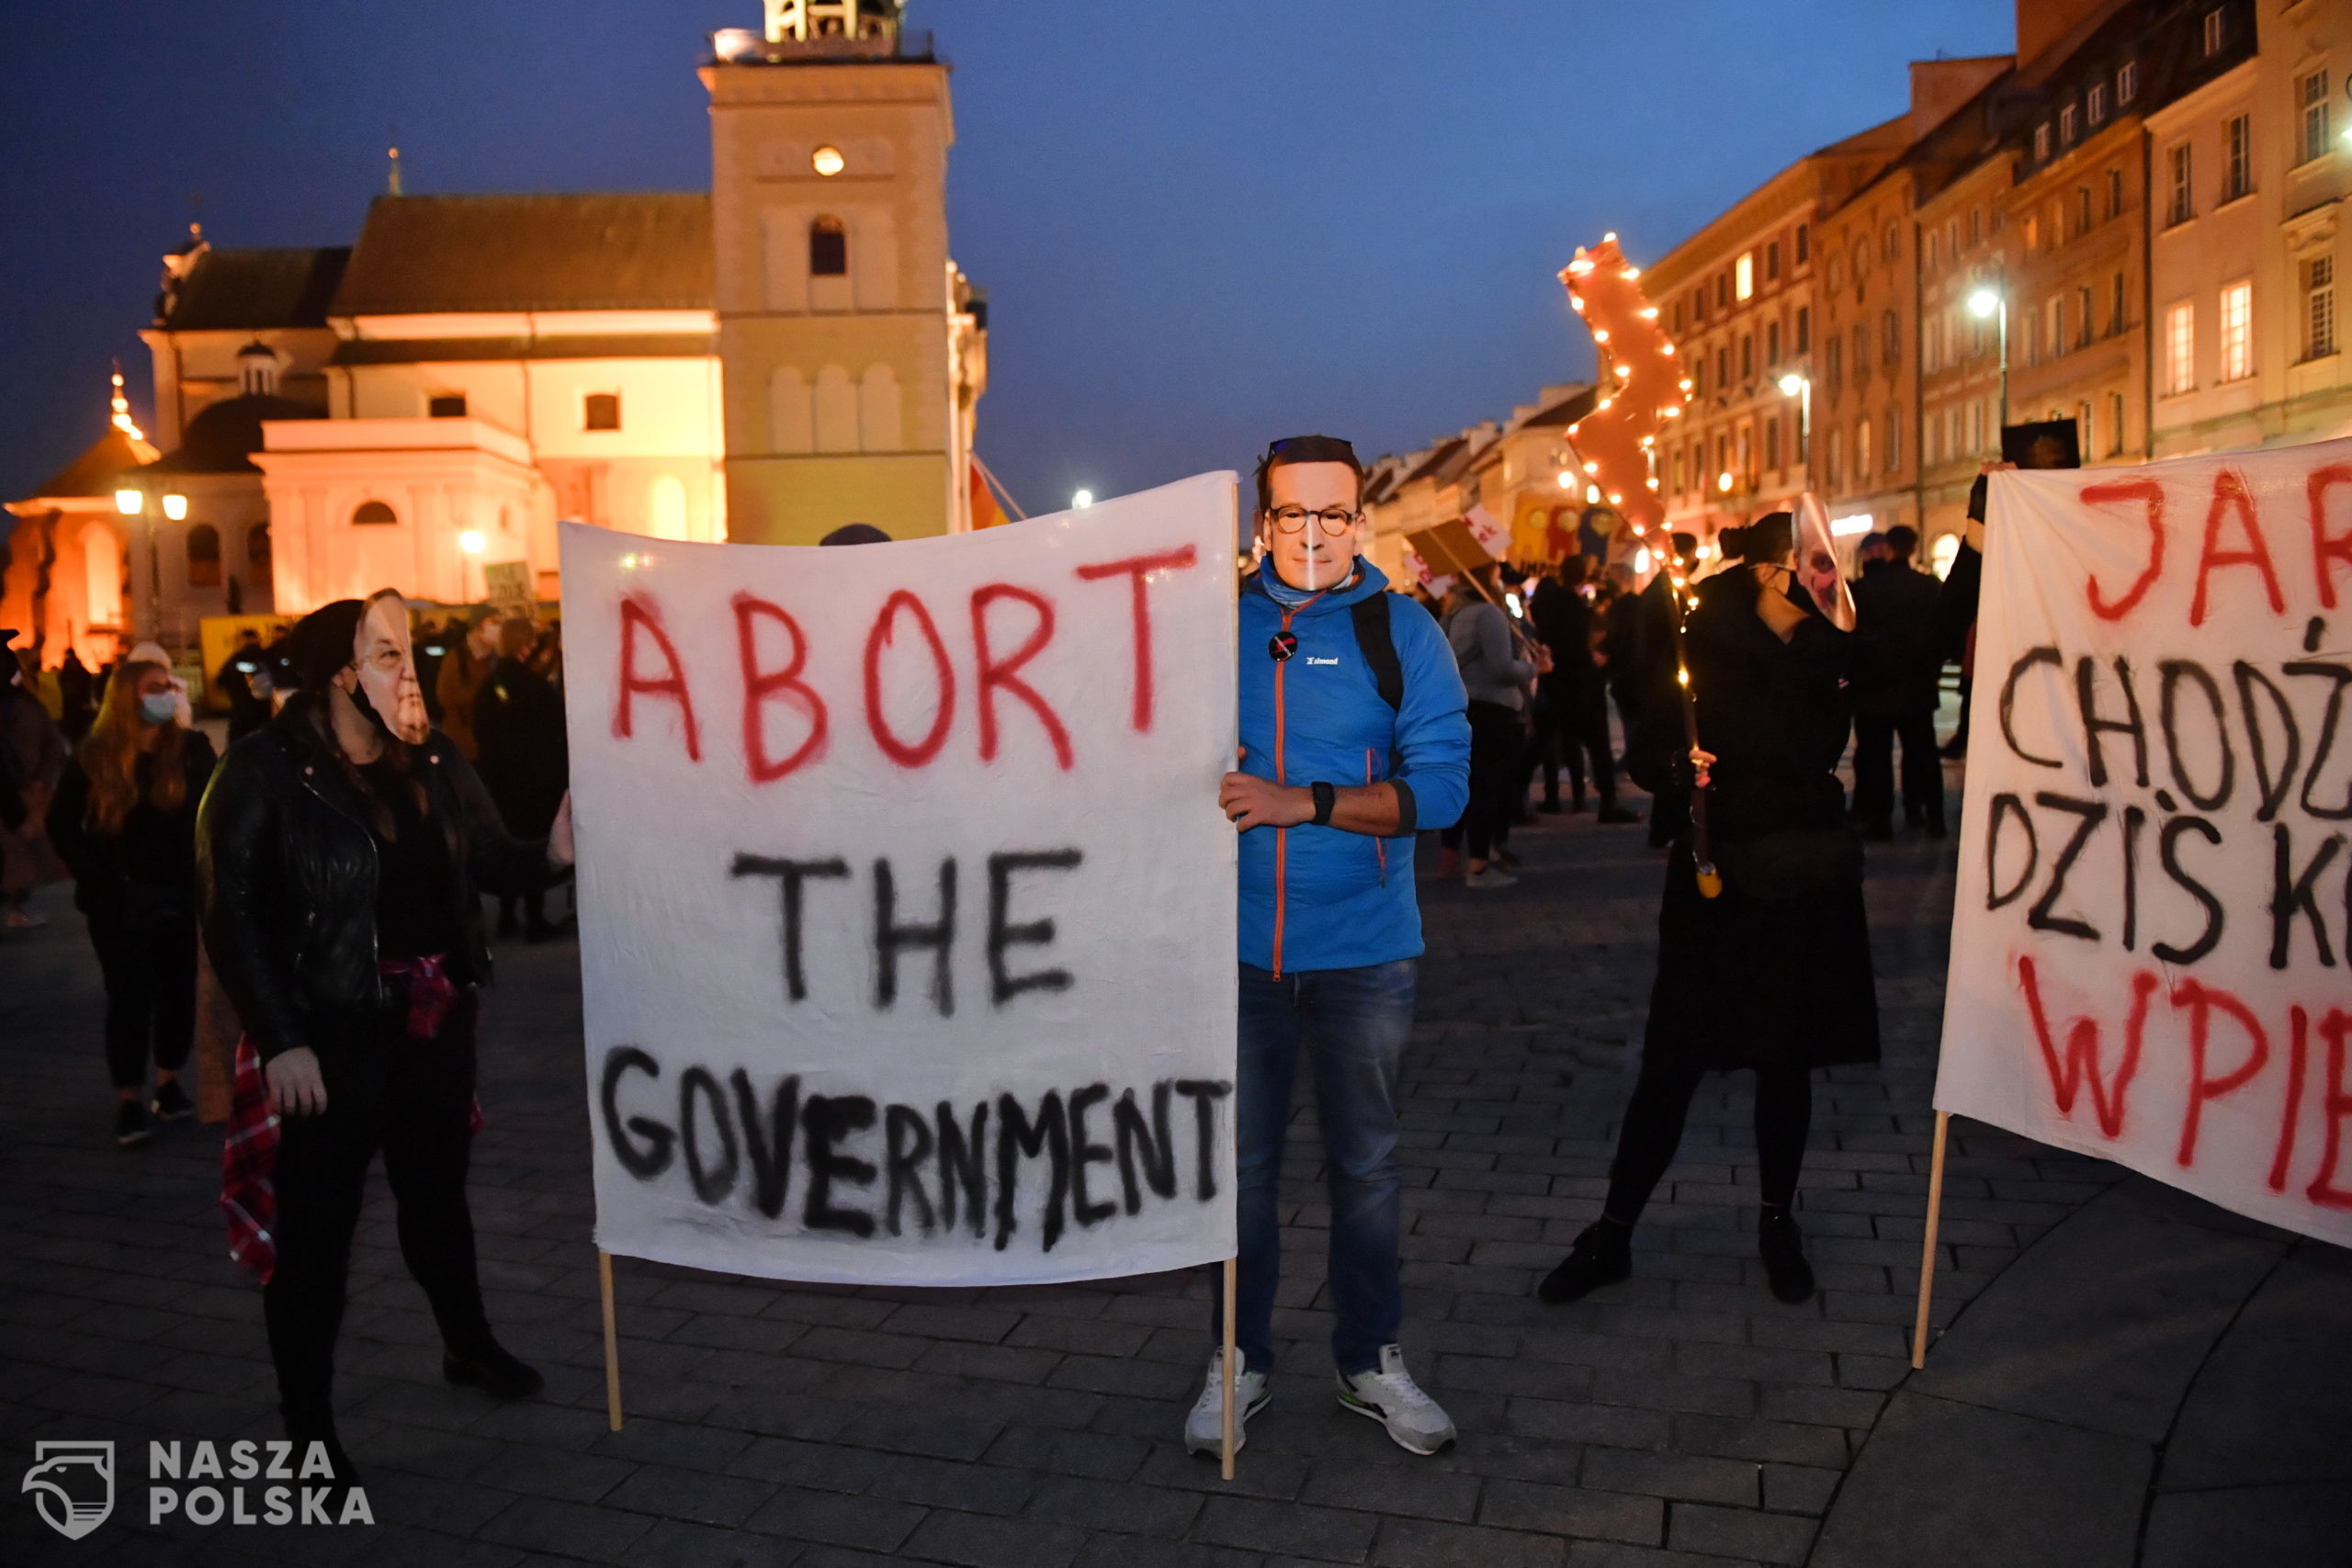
[(2149, 951), (907, 912)]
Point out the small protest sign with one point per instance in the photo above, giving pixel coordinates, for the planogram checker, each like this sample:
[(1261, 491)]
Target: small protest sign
[(907, 912), (2150, 946)]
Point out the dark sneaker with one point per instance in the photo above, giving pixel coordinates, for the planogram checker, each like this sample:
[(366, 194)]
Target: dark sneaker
[(494, 1371), (171, 1102), (131, 1124), (1601, 1255), (1781, 1246)]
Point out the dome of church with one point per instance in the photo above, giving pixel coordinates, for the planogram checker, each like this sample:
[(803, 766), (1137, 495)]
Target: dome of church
[(223, 438)]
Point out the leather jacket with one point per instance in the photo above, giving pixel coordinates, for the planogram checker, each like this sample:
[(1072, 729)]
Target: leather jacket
[(286, 878)]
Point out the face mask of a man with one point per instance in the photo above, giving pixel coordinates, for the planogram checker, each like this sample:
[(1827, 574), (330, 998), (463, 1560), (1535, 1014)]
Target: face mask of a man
[(388, 691)]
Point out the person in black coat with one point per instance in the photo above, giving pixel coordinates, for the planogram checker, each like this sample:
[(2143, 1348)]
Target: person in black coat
[(241, 682), (123, 820), (1571, 700), (1774, 974), (1652, 750), (1620, 643), (523, 756), (1898, 659), (340, 848)]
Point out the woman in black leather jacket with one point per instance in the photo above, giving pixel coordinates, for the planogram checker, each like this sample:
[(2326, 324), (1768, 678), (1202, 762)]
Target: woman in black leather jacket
[(1774, 974), (341, 849)]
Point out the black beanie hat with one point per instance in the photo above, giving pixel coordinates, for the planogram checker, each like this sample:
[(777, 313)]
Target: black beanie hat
[(321, 642)]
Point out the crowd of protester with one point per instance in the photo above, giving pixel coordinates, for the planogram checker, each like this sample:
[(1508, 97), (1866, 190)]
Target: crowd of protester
[(380, 780)]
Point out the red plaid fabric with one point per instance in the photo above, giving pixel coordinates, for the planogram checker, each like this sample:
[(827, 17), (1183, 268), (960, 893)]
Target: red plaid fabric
[(249, 1154)]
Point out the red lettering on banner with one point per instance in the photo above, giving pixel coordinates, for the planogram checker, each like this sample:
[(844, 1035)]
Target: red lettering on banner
[(2082, 1063), (2153, 493), (1137, 570), (897, 751), (2334, 1107), (638, 612), (2327, 546), (761, 687), (2203, 1001), (994, 672), (2299, 1026), (2230, 495)]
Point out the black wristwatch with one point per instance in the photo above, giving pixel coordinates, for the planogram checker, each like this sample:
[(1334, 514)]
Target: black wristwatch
[(1325, 798)]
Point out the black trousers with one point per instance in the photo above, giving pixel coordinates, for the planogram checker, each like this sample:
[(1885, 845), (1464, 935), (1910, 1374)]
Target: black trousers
[(1497, 780), (1653, 1131), (413, 1098), (1923, 769), (150, 976)]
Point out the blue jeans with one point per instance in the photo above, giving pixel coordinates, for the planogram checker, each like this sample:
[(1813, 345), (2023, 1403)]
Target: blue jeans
[(1354, 1023)]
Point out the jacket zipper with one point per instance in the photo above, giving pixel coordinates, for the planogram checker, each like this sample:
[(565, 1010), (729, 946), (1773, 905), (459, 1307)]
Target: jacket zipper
[(1281, 835)]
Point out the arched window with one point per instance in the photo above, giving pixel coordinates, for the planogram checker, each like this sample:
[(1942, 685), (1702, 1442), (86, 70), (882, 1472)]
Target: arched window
[(828, 248), (374, 512), (257, 556), (203, 556)]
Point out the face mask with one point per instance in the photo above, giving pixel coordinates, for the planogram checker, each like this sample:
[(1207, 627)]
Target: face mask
[(159, 707)]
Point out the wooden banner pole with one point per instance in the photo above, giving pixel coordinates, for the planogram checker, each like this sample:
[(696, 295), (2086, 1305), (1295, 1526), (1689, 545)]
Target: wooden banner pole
[(612, 1341), (1927, 1248), (1232, 1271)]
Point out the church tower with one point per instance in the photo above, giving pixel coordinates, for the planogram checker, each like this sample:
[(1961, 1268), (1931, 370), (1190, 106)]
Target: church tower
[(852, 349)]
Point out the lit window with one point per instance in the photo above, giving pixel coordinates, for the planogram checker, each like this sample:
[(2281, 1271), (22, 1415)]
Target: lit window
[(2313, 92), (1744, 275), (2238, 332), (2181, 349), (445, 405), (2237, 156), (601, 411), (2319, 306), (2184, 189)]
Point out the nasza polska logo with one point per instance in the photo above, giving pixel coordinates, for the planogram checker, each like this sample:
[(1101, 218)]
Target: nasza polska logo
[(72, 1482)]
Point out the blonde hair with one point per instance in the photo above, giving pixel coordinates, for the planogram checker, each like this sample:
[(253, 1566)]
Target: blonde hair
[(110, 753)]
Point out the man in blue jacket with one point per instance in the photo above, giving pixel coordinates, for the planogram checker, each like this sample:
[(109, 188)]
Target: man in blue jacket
[(1352, 738)]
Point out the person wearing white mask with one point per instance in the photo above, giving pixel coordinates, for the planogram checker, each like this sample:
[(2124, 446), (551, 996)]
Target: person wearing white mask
[(124, 822)]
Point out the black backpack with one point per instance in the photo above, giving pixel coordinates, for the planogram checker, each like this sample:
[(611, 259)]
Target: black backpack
[(1379, 647)]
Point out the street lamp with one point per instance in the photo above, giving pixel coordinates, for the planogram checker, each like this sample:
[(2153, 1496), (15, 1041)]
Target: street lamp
[(1800, 387), (1989, 301), (132, 502)]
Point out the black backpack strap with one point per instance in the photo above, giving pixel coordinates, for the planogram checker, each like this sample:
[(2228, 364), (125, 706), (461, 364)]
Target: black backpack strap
[(1379, 647)]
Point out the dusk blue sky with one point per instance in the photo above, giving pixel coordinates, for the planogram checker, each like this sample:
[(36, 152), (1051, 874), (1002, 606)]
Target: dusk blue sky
[(1200, 224)]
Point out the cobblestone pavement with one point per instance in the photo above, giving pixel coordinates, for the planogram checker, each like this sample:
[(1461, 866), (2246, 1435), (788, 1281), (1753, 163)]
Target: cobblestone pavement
[(1683, 1417)]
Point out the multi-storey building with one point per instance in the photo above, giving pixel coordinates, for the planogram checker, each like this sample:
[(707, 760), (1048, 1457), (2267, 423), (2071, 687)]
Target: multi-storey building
[(788, 352), (2249, 183)]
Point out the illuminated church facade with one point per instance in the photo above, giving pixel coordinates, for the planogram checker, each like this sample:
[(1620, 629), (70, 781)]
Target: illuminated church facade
[(791, 351)]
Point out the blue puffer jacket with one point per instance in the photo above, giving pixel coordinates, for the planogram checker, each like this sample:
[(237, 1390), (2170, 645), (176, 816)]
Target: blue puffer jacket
[(1318, 898)]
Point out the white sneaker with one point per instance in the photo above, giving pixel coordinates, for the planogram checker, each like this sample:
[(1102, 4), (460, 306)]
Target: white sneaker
[(1390, 1396), (1493, 876), (1205, 1428)]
